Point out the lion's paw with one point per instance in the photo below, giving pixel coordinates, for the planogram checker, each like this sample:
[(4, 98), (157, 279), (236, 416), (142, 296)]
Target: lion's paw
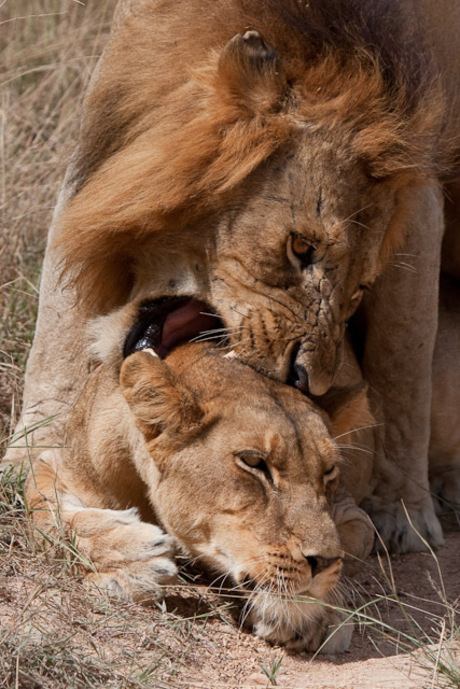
[(404, 528), (445, 486), (138, 582), (303, 625)]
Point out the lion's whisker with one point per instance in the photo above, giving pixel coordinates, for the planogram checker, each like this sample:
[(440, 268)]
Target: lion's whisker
[(356, 447), (356, 430), (404, 266)]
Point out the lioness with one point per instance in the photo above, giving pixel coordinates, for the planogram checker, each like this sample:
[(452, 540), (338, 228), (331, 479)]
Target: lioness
[(239, 470), (281, 164)]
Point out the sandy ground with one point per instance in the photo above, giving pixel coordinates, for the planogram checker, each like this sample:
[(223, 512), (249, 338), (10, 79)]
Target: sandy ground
[(373, 661)]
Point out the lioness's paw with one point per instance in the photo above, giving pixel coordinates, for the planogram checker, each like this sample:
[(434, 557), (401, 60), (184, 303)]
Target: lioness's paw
[(404, 528), (356, 532), (132, 559), (304, 625), (140, 581)]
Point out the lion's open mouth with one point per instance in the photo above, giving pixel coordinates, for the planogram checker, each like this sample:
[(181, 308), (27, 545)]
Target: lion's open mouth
[(164, 323)]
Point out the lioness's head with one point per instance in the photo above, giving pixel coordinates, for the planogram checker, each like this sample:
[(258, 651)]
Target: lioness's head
[(242, 471)]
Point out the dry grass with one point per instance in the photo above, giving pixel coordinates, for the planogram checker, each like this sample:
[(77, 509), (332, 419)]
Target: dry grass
[(48, 49), (53, 634), (56, 635)]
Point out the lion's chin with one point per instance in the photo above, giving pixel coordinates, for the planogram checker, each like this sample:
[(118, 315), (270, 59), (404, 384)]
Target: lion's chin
[(167, 322)]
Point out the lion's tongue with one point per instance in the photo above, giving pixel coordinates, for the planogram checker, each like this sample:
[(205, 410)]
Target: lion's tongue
[(184, 324)]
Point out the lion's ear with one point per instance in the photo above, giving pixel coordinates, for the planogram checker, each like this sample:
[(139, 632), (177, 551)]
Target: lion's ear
[(157, 399), (250, 72)]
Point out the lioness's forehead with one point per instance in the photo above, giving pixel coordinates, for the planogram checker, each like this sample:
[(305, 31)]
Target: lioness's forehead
[(255, 412), (287, 433)]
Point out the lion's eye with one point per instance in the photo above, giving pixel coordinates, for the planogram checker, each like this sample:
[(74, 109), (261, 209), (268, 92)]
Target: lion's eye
[(331, 474), (254, 462), (302, 250)]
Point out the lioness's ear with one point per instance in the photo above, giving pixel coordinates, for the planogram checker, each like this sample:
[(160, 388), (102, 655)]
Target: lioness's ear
[(251, 73), (157, 399)]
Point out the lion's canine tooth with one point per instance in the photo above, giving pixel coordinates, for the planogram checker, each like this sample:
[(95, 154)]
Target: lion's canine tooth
[(151, 351)]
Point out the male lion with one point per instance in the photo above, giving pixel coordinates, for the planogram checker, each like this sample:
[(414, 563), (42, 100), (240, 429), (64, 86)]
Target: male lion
[(241, 472), (275, 165)]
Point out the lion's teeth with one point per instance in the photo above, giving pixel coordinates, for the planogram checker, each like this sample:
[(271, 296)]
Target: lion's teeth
[(230, 355), (151, 351)]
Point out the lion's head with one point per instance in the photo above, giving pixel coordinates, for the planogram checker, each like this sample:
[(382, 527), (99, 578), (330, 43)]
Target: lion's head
[(242, 471), (263, 171)]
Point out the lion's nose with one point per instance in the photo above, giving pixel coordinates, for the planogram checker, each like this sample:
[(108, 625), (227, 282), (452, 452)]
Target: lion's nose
[(319, 564), (298, 376), (312, 370)]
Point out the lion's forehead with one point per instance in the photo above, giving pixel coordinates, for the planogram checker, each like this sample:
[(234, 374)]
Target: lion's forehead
[(319, 192), (318, 180)]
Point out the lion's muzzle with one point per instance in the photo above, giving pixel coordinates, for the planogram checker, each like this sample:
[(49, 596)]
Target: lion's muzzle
[(314, 366)]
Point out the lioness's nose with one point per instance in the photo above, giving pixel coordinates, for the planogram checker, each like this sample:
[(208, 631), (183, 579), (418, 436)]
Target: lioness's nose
[(319, 564)]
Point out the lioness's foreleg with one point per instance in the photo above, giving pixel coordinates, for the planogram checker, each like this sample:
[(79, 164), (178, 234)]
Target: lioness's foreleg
[(401, 314), (117, 552)]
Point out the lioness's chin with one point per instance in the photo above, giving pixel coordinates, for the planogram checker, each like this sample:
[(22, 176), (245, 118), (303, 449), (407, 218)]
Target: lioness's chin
[(301, 624)]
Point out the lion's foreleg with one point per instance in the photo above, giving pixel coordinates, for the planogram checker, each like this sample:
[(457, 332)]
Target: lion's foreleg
[(401, 315), (116, 551), (57, 365)]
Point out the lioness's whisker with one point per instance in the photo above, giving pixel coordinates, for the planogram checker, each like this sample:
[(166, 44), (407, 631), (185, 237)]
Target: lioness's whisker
[(214, 315), (208, 338), (224, 329), (215, 334)]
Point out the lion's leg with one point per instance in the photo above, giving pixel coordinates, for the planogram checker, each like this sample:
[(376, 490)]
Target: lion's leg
[(401, 322), (356, 531), (57, 363), (445, 407), (118, 552)]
